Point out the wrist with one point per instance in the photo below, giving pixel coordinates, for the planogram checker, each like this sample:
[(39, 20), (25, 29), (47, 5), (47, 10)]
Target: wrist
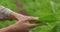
[(3, 13), (8, 29), (6, 13)]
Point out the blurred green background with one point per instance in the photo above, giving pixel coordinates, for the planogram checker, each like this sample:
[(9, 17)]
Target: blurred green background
[(47, 10)]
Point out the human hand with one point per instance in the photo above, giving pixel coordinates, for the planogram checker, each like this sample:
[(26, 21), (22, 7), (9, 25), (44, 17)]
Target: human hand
[(24, 25)]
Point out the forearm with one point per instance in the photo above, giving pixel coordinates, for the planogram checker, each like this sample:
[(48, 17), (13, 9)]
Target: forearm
[(14, 28), (11, 28), (6, 13)]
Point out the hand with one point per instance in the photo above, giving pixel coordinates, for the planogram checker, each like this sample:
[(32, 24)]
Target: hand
[(23, 24)]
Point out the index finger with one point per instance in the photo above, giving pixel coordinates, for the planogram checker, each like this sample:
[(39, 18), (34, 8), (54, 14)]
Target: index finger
[(30, 18)]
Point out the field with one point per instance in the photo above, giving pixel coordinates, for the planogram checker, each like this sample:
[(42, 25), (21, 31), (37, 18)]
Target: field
[(47, 10)]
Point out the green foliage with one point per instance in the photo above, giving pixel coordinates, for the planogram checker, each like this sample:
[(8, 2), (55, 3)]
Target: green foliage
[(47, 10)]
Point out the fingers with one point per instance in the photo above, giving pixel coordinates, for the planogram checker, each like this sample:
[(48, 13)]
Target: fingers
[(30, 18), (33, 18), (27, 18), (34, 25)]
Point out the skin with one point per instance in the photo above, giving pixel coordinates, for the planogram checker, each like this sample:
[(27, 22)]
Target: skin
[(22, 25)]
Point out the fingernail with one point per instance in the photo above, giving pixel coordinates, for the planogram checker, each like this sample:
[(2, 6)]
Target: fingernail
[(37, 18)]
